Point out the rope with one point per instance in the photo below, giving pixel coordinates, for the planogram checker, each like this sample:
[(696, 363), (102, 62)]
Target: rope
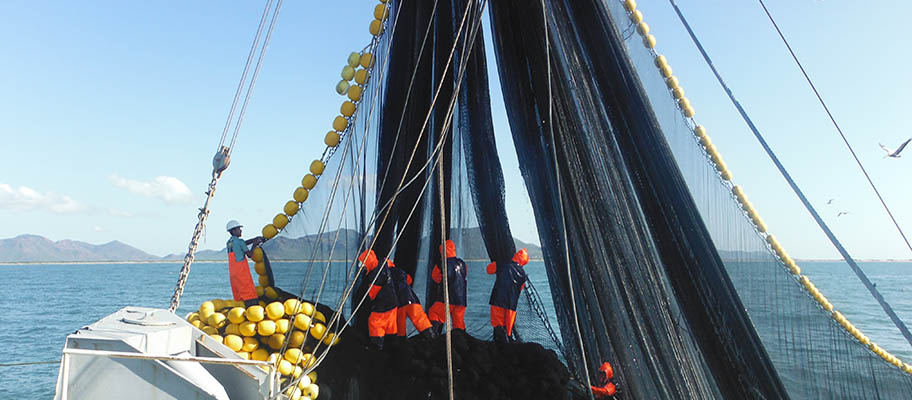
[(446, 272), (20, 364), (560, 199), (807, 204), (237, 93), (838, 129)]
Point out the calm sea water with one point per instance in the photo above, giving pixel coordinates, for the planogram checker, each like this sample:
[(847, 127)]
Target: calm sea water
[(41, 304)]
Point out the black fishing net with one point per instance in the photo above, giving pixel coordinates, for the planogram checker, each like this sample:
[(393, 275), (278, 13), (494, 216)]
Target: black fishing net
[(648, 261)]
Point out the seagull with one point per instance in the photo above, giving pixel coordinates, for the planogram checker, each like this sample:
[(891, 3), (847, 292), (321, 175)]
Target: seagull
[(830, 201), (841, 213), (894, 154)]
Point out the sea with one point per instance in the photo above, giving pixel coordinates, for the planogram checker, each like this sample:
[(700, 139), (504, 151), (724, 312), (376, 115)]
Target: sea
[(41, 303)]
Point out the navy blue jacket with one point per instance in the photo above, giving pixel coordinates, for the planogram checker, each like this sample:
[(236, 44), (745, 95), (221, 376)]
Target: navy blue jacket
[(384, 299), (456, 280), (404, 292), (508, 284)]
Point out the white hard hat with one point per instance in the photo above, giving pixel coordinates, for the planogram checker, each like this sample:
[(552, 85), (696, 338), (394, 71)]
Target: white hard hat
[(232, 224)]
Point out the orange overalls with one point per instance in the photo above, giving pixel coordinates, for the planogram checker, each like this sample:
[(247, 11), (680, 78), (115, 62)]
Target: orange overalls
[(510, 281), (456, 280), (382, 320), (242, 287)]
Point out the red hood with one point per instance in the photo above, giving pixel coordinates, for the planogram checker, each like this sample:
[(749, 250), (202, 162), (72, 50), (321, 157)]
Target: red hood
[(369, 259), (389, 263), (521, 257), (450, 249)]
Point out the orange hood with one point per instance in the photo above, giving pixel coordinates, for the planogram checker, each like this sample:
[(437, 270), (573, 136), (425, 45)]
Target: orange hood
[(369, 259), (521, 257), (450, 249)]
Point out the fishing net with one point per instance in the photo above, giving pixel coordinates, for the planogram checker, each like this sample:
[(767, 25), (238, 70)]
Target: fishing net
[(649, 262)]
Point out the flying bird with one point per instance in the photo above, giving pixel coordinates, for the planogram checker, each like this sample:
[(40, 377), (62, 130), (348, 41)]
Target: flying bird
[(841, 213), (830, 201), (894, 154)]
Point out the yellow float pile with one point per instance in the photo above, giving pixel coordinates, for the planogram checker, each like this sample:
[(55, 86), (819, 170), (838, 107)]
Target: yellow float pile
[(260, 332)]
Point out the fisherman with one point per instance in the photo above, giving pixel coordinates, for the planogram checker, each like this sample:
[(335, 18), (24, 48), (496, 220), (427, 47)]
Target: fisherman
[(456, 281), (408, 303), (382, 292), (241, 283), (509, 282), (606, 389)]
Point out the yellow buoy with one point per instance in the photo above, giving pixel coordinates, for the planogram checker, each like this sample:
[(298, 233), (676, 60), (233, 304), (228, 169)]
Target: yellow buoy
[(232, 329), (209, 330), (671, 82), (298, 371), (367, 60), (293, 356), (354, 58), (259, 355), (380, 11), (285, 367), (376, 27), (247, 328), (309, 181), (259, 290), (197, 324), (677, 92), (308, 360), (302, 322), (689, 112), (319, 317), (630, 5), (282, 325), (342, 87), (660, 60), (194, 316), (243, 354), (313, 376), (291, 208), (340, 123), (636, 16), (270, 231), (317, 167), (250, 344), (218, 304), (271, 293), (348, 72), (332, 139), (649, 41), (217, 337), (217, 320), (347, 108), (331, 339), (666, 70), (276, 341), (304, 382), (275, 310), (280, 221), (234, 342), (317, 331), (294, 393), (312, 391), (361, 76), (643, 28), (307, 308), (263, 280), (292, 306), (296, 339), (260, 269), (255, 313), (207, 305), (300, 195), (266, 327), (354, 93), (257, 254)]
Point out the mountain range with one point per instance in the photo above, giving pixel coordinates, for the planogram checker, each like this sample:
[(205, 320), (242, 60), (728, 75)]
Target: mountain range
[(34, 248)]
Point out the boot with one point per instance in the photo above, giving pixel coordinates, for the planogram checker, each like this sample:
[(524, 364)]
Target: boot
[(376, 343), (428, 334), (500, 335)]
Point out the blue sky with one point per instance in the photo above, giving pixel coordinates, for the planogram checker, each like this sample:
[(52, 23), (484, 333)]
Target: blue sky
[(110, 113)]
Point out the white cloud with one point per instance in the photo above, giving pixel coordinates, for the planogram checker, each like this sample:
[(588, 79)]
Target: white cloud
[(167, 188), (26, 198), (97, 228)]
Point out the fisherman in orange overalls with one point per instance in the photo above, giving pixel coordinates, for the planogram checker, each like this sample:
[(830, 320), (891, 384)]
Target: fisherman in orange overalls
[(409, 305), (241, 283), (456, 281), (508, 284), (382, 292)]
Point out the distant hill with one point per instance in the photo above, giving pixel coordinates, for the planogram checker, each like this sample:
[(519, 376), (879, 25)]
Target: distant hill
[(34, 248), (283, 248)]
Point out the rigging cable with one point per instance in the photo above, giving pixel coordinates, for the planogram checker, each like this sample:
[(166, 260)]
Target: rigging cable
[(223, 154), (838, 129), (807, 204), (560, 199)]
